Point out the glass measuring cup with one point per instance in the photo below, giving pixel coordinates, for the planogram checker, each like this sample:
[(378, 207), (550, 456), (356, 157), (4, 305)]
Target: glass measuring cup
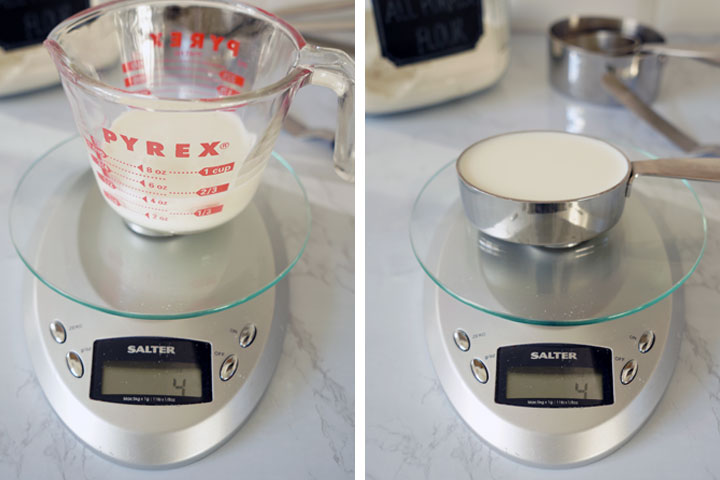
[(180, 104)]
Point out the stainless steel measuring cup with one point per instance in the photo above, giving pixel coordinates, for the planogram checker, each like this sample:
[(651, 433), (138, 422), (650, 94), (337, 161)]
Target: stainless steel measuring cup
[(568, 223), (579, 57), (583, 49), (180, 103)]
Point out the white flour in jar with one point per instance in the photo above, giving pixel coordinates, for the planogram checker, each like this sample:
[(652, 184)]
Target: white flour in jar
[(178, 172), (30, 68), (389, 88)]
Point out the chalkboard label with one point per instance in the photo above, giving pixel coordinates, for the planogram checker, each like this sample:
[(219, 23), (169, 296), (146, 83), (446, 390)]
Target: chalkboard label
[(27, 22), (412, 31)]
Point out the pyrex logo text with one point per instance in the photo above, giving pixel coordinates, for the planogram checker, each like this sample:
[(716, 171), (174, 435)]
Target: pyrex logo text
[(158, 149), (197, 40)]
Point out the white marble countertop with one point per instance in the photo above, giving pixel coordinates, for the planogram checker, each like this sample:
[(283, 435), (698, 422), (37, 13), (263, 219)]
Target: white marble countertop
[(304, 425), (412, 430)]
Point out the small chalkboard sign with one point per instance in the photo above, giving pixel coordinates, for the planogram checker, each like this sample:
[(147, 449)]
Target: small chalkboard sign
[(412, 31), (27, 22)]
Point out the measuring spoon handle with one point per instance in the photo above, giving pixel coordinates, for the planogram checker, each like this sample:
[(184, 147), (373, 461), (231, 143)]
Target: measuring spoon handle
[(704, 169)]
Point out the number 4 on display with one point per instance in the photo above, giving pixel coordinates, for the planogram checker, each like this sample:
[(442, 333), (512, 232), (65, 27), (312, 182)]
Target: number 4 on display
[(577, 389), (181, 386)]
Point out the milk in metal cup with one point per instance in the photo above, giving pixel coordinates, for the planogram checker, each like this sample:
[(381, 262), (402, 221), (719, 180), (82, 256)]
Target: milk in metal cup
[(543, 166)]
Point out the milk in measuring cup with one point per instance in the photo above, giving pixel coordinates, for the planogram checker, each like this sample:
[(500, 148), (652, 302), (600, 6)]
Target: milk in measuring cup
[(543, 166), (176, 172)]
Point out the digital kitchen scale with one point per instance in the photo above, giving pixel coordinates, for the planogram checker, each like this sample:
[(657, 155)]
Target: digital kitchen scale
[(153, 351), (556, 357)]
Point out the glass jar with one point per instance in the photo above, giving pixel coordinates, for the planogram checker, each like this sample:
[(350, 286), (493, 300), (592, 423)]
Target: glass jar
[(421, 52)]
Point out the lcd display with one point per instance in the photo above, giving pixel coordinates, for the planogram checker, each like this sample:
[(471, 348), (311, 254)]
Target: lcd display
[(172, 379), (571, 383)]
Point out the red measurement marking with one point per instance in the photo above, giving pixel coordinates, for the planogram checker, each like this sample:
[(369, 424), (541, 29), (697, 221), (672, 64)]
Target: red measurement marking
[(158, 201), (92, 145), (213, 190), (125, 195), (106, 180), (146, 207), (112, 198), (160, 171), (231, 77), (152, 185), (217, 170), (98, 161), (117, 160), (226, 91), (155, 216), (131, 172), (143, 191), (132, 66), (156, 39), (203, 212), (135, 80)]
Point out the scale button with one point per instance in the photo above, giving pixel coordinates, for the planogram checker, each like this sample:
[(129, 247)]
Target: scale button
[(228, 368), (247, 335), (628, 372), (74, 364), (462, 340), (479, 370), (57, 330), (646, 342)]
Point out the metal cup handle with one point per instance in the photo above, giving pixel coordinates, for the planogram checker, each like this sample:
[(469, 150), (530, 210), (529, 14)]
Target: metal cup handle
[(702, 169)]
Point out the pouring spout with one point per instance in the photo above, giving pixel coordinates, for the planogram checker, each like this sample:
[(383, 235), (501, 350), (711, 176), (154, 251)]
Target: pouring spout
[(57, 54)]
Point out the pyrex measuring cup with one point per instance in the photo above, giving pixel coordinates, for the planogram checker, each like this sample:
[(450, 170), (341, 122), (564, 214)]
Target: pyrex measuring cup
[(181, 110)]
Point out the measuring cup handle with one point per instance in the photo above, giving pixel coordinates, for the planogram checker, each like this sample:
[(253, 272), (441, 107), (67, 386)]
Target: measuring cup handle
[(704, 169), (335, 69)]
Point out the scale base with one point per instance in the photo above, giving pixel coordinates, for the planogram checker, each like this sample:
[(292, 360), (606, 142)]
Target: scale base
[(149, 436), (552, 437)]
